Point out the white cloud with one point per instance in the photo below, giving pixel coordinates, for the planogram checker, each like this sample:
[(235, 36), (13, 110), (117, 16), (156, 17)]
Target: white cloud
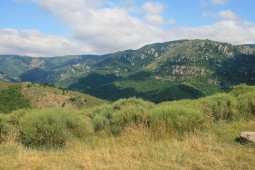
[(153, 7), (154, 14), (96, 29), (222, 15), (232, 31), (219, 2), (34, 43), (105, 29), (228, 14)]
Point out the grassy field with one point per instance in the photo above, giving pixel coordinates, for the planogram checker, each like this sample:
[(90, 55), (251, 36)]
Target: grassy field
[(136, 148), (133, 134), (15, 96)]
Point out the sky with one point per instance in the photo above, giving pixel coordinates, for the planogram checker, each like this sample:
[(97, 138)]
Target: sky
[(44, 28)]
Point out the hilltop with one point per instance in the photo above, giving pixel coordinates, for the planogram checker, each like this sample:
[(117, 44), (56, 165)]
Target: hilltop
[(183, 69), (15, 96)]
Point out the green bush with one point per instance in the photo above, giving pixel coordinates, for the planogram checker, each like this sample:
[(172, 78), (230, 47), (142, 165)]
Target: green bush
[(101, 122), (12, 99), (246, 103), (219, 106), (129, 111), (4, 128), (241, 89), (176, 119), (52, 127), (78, 125), (43, 129), (101, 117), (113, 118), (9, 124)]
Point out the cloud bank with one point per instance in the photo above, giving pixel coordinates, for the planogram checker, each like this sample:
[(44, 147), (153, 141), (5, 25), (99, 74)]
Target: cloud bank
[(96, 28)]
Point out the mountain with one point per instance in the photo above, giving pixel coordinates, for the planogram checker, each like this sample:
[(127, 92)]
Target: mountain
[(250, 45), (5, 78), (171, 71), (157, 72), (24, 68), (29, 95)]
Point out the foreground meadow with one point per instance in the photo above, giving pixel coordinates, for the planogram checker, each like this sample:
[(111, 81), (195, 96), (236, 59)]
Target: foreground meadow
[(137, 148), (133, 134)]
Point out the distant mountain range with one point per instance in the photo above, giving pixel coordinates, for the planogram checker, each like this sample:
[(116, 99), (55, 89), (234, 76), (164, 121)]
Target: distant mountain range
[(5, 78), (157, 72), (250, 45)]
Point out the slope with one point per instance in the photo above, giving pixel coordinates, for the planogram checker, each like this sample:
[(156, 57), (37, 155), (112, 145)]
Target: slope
[(173, 70), (5, 78), (157, 72), (15, 96)]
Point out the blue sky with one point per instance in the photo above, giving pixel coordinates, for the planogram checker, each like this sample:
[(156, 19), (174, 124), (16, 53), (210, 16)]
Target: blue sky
[(63, 27)]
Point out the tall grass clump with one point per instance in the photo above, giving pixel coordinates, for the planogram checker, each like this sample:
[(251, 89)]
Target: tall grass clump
[(115, 117), (5, 128), (246, 104), (241, 89), (77, 125), (176, 119), (53, 127), (9, 125), (218, 107), (131, 111), (101, 116)]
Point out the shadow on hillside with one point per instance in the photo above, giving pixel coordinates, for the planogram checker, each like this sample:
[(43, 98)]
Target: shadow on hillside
[(104, 87), (36, 75), (237, 70)]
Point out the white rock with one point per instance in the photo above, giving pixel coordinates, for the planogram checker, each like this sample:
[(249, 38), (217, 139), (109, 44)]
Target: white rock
[(250, 136)]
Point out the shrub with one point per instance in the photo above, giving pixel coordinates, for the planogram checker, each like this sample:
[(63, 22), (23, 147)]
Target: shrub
[(9, 125), (129, 111), (219, 106), (241, 89), (77, 125), (176, 119), (4, 128), (52, 127), (43, 129), (101, 117), (246, 103), (101, 122), (113, 118), (12, 99)]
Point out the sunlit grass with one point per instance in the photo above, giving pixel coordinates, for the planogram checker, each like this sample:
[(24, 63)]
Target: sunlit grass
[(132, 134), (138, 148)]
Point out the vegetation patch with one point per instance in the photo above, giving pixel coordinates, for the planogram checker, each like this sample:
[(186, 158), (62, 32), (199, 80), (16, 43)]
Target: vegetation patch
[(176, 119), (113, 118), (12, 99), (52, 128), (56, 127)]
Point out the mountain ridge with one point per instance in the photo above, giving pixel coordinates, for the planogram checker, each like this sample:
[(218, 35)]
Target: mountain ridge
[(157, 72)]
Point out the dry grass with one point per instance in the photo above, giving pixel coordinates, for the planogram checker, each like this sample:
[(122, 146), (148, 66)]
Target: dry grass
[(45, 97), (138, 148)]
